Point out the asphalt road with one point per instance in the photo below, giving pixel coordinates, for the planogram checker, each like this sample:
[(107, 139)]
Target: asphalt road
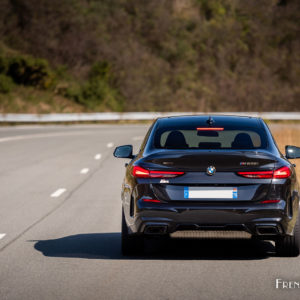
[(60, 215)]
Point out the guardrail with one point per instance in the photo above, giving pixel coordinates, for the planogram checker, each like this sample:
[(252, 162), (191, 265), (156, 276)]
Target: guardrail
[(85, 117)]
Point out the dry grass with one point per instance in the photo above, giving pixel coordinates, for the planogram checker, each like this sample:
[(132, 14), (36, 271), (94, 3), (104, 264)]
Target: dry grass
[(31, 100), (287, 134)]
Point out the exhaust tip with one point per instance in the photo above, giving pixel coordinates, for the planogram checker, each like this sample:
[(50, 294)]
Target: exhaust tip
[(267, 230), (156, 229)]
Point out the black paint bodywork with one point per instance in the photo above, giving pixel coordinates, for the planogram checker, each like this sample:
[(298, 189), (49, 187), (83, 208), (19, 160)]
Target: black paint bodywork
[(244, 213)]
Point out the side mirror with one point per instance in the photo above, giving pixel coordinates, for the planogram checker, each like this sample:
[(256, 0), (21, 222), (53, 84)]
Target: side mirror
[(123, 152), (292, 152)]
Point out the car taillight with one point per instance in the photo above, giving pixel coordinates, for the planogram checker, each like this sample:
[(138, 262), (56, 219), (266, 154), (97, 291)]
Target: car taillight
[(144, 173), (280, 173), (283, 172), (140, 172), (257, 174)]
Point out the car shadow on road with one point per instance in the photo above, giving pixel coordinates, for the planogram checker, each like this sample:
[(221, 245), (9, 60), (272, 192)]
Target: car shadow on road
[(108, 246)]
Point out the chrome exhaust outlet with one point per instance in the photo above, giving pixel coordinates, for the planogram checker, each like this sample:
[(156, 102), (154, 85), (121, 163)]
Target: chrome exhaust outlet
[(155, 229), (267, 229)]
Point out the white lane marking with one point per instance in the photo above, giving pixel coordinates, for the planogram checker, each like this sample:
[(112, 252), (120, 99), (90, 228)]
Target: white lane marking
[(84, 171), (37, 136), (110, 145), (2, 235), (58, 193), (137, 138), (98, 156)]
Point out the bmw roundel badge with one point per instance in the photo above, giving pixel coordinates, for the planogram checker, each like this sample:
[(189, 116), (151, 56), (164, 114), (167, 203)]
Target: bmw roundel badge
[(211, 170)]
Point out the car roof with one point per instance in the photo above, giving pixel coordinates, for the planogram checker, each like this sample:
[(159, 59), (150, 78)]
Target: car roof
[(202, 120)]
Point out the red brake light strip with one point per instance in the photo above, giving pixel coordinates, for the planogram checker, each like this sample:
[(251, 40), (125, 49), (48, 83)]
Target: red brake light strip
[(210, 128)]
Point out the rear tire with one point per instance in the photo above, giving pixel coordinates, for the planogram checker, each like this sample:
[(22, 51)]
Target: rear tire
[(289, 246), (130, 244)]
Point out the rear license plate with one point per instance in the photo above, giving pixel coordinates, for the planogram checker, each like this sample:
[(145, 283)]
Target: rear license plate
[(210, 192)]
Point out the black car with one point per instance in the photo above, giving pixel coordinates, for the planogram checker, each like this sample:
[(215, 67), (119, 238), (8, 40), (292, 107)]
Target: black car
[(210, 177)]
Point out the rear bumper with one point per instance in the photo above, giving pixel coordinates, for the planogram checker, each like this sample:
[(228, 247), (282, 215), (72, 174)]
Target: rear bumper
[(262, 220)]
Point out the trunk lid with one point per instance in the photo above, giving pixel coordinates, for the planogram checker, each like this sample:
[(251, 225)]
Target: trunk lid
[(224, 161), (223, 185)]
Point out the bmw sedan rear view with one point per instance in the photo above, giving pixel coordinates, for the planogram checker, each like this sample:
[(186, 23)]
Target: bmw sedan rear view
[(210, 177)]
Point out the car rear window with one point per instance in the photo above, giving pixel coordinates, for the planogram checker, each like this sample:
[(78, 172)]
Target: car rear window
[(221, 138)]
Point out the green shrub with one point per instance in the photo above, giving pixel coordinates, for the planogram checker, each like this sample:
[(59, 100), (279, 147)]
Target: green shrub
[(100, 70), (73, 92), (6, 84), (94, 94), (97, 92), (3, 65), (30, 71)]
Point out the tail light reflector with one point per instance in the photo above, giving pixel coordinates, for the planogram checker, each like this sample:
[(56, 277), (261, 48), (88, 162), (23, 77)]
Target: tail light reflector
[(280, 173), (270, 201), (151, 200), (140, 172)]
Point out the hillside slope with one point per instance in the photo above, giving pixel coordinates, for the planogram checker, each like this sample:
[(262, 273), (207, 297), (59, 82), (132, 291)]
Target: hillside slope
[(157, 55)]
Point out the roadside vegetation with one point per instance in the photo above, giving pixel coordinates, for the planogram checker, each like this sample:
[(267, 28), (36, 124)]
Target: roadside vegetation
[(149, 55)]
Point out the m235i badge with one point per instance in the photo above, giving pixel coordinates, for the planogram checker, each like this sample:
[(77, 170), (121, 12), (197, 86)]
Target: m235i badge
[(249, 163), (164, 181)]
